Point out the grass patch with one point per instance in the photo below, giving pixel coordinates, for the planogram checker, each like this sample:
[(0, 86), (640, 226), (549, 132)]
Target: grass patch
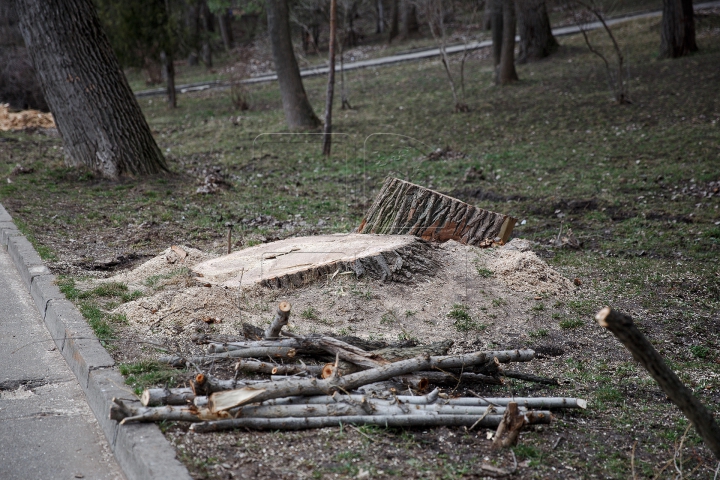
[(463, 322), (700, 351), (310, 314), (485, 272), (146, 373), (154, 281), (571, 323), (538, 333)]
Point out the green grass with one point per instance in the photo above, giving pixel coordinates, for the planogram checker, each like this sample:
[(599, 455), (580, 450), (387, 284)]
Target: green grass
[(146, 373), (485, 272), (571, 323), (700, 351), (539, 333), (463, 322), (310, 313)]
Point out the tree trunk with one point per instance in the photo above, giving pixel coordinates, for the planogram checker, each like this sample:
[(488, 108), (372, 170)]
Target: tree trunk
[(536, 38), (380, 12), (298, 111), (496, 22), (487, 15), (394, 20), (677, 35), (279, 321), (224, 20), (327, 130), (410, 23), (169, 77), (97, 115), (403, 208), (506, 70)]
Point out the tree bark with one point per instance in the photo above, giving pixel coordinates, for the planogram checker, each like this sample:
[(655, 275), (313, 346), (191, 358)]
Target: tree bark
[(298, 111), (169, 77), (225, 22), (393, 421), (394, 30), (275, 352), (271, 368), (403, 208), (677, 34), (97, 115), (327, 130), (279, 321), (496, 24), (410, 22), (623, 327), (380, 16), (506, 70), (509, 428), (536, 38)]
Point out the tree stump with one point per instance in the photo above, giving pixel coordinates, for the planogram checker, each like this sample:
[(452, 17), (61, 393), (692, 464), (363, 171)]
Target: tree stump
[(403, 208)]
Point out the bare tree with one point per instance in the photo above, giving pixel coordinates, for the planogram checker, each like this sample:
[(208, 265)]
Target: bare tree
[(536, 38), (298, 111), (496, 25), (327, 137), (677, 34), (506, 72), (97, 115), (583, 12)]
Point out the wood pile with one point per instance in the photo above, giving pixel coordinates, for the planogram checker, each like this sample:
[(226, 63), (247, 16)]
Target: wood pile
[(363, 385)]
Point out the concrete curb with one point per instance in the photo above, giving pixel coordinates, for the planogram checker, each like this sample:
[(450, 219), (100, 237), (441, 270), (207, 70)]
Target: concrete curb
[(141, 450)]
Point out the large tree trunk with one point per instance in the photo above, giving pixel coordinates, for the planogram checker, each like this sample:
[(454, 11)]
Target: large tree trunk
[(677, 36), (95, 110), (394, 30), (225, 22), (169, 77), (298, 111), (410, 23), (403, 208), (380, 17), (536, 38), (496, 24), (506, 70), (327, 137)]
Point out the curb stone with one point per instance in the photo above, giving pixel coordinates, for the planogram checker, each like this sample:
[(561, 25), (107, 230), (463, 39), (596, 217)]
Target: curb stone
[(141, 450)]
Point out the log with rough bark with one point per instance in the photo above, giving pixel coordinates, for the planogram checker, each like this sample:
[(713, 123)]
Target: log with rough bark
[(345, 351), (623, 327), (274, 352), (125, 412), (153, 397), (403, 208), (215, 347), (393, 421), (281, 319), (528, 377), (204, 384), (509, 428), (275, 369), (446, 378), (394, 354)]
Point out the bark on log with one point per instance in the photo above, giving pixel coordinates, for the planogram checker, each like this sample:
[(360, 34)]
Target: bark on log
[(349, 382), (214, 347), (273, 369), (274, 352), (281, 319), (446, 378), (530, 378), (623, 327), (393, 421), (204, 384), (345, 351), (509, 428), (394, 354), (153, 397), (403, 208)]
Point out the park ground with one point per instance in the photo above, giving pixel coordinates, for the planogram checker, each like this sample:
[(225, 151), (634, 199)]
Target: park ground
[(638, 184)]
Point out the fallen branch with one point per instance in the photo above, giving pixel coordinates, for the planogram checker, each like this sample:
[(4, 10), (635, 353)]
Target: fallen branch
[(420, 380), (153, 397), (274, 369), (623, 327), (530, 378), (276, 352), (392, 421), (281, 319)]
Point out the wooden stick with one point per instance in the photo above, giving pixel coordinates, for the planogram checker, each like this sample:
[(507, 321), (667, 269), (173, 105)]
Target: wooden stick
[(445, 378), (271, 368), (509, 428), (276, 352), (216, 347), (152, 397), (295, 423), (623, 327), (281, 319), (530, 378)]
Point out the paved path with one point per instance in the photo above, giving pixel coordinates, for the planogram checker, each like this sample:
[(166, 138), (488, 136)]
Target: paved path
[(47, 430), (405, 57)]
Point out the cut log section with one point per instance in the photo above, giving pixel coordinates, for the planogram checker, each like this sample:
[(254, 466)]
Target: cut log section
[(403, 208), (294, 262)]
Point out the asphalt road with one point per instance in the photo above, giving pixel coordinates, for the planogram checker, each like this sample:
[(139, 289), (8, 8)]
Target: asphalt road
[(47, 430)]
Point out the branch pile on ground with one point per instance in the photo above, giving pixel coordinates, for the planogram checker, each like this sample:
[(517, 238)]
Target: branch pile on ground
[(305, 395)]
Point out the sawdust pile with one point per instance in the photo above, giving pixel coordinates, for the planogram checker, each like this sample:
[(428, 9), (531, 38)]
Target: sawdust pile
[(522, 270), (176, 305), (24, 119)]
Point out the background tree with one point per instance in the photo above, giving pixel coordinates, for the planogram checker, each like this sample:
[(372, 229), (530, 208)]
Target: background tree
[(327, 138), (506, 72), (496, 25), (96, 113), (536, 38), (19, 85), (677, 34), (298, 111)]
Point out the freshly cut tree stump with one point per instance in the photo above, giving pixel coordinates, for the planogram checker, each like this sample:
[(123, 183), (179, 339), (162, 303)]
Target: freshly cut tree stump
[(403, 208), (294, 262)]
